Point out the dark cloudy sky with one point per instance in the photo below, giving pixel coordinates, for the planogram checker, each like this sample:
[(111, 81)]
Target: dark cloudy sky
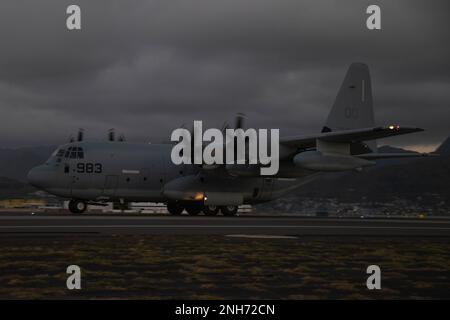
[(146, 67)]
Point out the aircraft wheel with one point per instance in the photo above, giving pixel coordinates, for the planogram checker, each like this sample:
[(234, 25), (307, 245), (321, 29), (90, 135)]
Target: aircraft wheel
[(77, 206), (229, 210), (174, 208), (194, 209), (210, 210)]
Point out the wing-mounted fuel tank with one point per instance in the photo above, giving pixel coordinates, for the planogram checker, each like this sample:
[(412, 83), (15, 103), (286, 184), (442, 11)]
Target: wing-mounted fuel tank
[(330, 157)]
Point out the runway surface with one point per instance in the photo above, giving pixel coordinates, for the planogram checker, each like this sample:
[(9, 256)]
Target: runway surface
[(35, 225)]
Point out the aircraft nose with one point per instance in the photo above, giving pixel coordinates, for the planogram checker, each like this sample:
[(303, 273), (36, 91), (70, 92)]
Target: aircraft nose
[(36, 177)]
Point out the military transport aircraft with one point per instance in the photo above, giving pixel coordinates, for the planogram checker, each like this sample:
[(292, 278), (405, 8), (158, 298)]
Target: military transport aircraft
[(118, 171)]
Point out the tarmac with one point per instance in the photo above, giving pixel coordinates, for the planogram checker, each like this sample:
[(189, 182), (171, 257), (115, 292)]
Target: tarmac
[(35, 225)]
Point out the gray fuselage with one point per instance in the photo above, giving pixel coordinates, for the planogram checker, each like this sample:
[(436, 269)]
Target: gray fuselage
[(113, 171)]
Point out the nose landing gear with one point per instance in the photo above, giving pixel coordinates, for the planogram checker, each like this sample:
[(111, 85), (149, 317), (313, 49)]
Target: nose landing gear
[(77, 206)]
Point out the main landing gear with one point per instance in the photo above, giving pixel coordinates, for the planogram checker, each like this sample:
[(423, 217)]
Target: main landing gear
[(195, 208), (211, 210), (229, 210), (77, 206), (175, 208)]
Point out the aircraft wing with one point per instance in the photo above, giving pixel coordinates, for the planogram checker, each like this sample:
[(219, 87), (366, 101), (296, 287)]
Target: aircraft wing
[(347, 136), (376, 155)]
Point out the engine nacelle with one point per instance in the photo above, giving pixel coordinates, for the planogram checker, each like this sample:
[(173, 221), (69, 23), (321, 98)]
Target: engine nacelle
[(318, 161)]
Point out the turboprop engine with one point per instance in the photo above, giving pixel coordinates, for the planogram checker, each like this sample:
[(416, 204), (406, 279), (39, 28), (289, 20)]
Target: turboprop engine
[(318, 161)]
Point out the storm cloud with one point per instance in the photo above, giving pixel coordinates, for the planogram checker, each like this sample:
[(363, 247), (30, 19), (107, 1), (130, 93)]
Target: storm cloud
[(147, 67)]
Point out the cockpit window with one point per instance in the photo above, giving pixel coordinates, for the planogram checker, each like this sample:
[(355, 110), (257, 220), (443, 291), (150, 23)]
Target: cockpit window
[(59, 155), (80, 153), (70, 153), (74, 153), (56, 156)]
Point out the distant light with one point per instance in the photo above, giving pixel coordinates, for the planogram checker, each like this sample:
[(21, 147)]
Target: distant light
[(391, 127)]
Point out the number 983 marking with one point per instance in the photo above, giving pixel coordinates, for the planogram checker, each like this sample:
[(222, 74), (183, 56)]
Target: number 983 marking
[(89, 167)]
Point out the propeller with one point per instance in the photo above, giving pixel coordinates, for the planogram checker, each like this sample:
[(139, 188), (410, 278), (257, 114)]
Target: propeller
[(121, 138), (80, 135), (225, 126), (240, 120), (111, 134), (239, 123)]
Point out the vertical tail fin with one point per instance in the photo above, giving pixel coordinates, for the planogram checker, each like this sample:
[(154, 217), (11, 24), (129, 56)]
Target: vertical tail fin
[(353, 107)]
